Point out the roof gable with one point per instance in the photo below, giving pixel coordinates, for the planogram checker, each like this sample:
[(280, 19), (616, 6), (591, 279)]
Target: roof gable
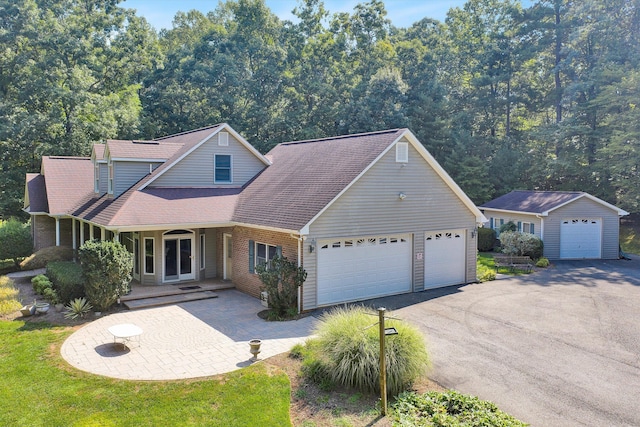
[(307, 177), (35, 194), (541, 202), (191, 141)]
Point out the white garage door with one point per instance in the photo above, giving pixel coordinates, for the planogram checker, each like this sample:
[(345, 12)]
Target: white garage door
[(444, 258), (364, 267), (581, 238)]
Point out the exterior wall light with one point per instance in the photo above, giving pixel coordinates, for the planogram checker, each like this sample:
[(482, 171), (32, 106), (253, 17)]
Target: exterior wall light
[(402, 196)]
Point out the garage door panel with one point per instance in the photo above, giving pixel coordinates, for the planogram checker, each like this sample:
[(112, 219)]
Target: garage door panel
[(581, 238), (444, 258), (362, 268)]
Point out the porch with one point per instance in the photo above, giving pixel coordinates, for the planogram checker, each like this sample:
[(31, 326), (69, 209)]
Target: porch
[(145, 296)]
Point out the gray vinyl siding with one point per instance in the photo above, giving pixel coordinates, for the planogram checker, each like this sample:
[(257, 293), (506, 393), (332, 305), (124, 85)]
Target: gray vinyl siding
[(128, 173), (103, 183), (372, 206), (582, 208), (197, 169), (210, 255), (516, 218)]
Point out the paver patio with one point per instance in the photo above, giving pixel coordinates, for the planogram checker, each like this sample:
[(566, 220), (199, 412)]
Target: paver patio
[(189, 340)]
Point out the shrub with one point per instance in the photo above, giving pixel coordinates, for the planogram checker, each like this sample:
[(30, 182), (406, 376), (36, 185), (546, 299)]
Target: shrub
[(542, 263), (15, 240), (8, 296), (351, 351), (508, 226), (448, 408), (281, 279), (67, 280), (522, 244), (486, 274), (40, 283), (44, 256), (106, 267), (79, 307), (486, 239)]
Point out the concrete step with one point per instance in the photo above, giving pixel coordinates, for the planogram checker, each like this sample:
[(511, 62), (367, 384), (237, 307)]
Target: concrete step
[(156, 301)]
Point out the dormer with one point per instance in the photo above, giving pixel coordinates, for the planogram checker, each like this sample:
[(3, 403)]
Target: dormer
[(128, 161)]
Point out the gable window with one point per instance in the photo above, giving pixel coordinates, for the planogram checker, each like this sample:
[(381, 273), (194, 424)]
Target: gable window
[(261, 253), (222, 166), (149, 243), (402, 152)]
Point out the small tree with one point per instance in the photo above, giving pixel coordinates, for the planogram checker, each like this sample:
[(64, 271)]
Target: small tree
[(518, 243), (15, 240), (106, 267), (508, 226), (281, 279)]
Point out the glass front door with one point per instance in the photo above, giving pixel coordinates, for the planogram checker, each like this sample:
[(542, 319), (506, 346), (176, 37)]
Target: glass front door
[(178, 258)]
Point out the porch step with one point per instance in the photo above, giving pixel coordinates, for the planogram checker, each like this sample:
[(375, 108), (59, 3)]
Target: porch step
[(156, 301)]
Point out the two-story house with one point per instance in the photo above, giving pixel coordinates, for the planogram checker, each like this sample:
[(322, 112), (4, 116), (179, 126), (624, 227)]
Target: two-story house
[(366, 215)]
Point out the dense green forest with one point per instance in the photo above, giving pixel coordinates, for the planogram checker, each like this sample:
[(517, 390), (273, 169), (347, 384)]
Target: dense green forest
[(504, 97)]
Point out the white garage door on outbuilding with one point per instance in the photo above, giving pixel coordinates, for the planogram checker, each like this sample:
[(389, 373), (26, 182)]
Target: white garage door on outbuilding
[(581, 238), (444, 259), (351, 269)]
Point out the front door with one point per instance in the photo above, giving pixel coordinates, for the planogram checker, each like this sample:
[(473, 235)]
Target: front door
[(179, 262)]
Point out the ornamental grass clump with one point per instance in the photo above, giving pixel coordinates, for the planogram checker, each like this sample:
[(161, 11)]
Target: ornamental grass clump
[(349, 343), (8, 296)]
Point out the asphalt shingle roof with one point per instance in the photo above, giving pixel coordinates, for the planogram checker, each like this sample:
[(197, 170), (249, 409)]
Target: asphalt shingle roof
[(153, 150), (67, 181), (532, 201), (305, 176)]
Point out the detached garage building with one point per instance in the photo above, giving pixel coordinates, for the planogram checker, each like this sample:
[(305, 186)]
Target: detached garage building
[(572, 224)]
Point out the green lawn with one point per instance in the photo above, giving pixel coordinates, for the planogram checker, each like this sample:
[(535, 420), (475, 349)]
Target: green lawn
[(37, 388)]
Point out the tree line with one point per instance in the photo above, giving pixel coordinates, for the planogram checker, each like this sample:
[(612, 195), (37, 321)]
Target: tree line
[(504, 96)]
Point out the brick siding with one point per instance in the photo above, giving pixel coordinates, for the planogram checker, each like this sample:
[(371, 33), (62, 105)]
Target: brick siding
[(244, 280)]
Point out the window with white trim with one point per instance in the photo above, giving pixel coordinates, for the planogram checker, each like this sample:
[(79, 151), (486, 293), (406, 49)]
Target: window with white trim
[(110, 189), (222, 168), (149, 249), (265, 253), (202, 252), (402, 152), (526, 227), (96, 178)]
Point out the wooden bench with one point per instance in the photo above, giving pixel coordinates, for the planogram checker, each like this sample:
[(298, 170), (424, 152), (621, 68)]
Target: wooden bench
[(513, 262)]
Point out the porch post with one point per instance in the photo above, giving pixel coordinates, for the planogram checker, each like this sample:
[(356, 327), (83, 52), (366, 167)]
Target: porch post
[(103, 233), (91, 232), (57, 231), (116, 236), (81, 232), (74, 236)]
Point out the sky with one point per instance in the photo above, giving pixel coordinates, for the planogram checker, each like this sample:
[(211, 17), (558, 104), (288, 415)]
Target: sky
[(402, 13)]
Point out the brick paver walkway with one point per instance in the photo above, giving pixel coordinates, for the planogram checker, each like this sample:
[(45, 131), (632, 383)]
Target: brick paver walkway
[(188, 340)]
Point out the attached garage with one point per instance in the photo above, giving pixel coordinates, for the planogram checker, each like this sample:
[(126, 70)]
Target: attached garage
[(581, 238), (351, 269), (444, 258)]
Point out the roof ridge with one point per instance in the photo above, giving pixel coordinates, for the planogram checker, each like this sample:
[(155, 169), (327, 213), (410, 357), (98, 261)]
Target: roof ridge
[(69, 157), (188, 132), (356, 135)]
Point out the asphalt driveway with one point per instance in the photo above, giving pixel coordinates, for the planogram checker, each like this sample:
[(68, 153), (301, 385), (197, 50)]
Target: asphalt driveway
[(560, 347)]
